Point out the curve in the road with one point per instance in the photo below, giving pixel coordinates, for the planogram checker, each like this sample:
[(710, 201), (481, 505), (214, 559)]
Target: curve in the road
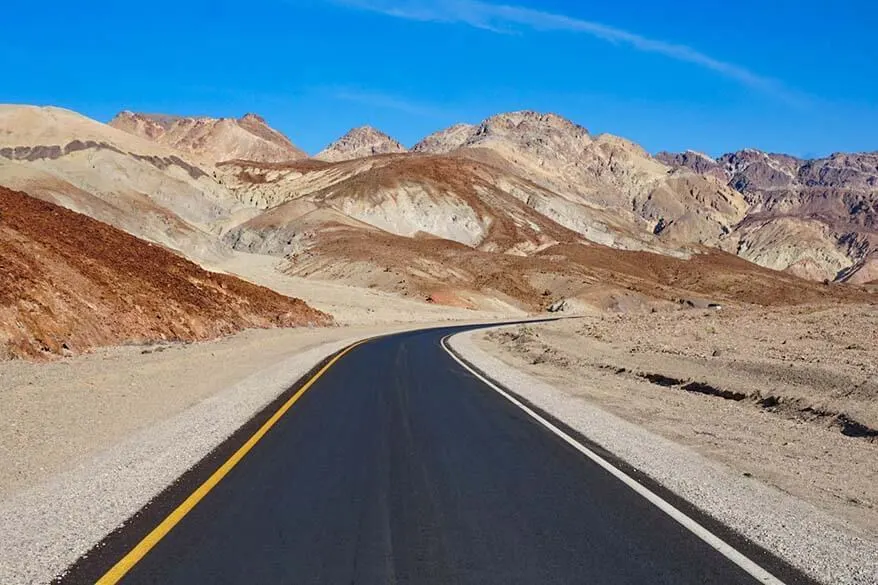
[(396, 462)]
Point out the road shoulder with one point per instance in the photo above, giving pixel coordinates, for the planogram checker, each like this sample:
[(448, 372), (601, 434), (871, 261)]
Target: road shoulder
[(792, 529), (105, 434)]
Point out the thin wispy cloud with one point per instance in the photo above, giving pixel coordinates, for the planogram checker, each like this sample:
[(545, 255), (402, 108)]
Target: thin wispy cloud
[(385, 102), (508, 19)]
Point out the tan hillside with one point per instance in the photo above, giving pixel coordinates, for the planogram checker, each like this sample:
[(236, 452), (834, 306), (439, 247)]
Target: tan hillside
[(568, 276), (71, 283), (451, 197), (212, 139), (147, 189), (452, 230)]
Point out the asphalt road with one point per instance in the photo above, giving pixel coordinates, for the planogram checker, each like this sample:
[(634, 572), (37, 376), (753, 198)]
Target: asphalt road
[(399, 466)]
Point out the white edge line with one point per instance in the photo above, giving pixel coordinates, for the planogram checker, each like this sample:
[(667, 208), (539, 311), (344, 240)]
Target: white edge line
[(727, 550)]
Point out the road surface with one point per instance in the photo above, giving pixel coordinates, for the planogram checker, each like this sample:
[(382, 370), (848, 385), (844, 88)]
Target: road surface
[(398, 465)]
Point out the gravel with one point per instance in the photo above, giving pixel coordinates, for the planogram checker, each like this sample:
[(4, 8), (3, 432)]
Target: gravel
[(794, 530), (47, 527)]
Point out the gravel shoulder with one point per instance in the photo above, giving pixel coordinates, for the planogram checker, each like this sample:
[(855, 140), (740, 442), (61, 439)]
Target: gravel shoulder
[(787, 480), (86, 442)]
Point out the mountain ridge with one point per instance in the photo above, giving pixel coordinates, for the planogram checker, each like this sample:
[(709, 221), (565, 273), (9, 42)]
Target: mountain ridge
[(212, 139), (816, 217), (515, 185)]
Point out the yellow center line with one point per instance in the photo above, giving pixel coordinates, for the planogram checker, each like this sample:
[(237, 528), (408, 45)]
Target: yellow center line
[(128, 562)]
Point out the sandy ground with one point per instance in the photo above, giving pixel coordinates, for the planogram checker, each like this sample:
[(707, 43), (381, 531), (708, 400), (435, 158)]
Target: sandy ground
[(62, 413), (794, 381), (349, 305), (820, 544)]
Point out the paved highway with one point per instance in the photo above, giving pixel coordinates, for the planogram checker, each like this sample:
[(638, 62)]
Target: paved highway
[(398, 465)]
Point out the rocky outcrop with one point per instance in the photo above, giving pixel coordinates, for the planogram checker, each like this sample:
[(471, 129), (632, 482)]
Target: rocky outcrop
[(548, 135), (447, 140), (212, 139), (694, 161), (360, 143)]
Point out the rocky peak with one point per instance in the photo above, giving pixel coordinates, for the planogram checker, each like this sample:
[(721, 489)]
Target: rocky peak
[(151, 126), (540, 135), (754, 172), (256, 125), (528, 121), (361, 142), (695, 161), (250, 117)]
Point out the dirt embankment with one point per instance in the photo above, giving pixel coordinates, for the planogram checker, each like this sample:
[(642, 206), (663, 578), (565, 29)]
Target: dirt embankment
[(69, 283), (787, 395)]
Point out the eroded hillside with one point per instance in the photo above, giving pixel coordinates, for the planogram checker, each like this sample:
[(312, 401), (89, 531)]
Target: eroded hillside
[(70, 283)]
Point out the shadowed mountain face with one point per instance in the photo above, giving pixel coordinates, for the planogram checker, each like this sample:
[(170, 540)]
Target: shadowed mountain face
[(817, 218)]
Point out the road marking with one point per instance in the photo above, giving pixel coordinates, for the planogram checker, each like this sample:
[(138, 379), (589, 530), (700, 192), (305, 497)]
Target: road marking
[(128, 562), (727, 550)]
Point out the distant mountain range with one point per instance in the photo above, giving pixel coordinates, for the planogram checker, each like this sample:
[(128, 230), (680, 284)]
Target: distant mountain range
[(520, 211), (817, 218)]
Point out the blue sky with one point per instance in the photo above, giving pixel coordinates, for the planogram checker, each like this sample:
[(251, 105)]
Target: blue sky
[(781, 75)]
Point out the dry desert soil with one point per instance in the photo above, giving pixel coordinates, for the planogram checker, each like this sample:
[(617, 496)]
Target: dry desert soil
[(787, 396)]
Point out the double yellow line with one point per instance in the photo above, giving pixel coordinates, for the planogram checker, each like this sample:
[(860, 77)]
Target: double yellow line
[(142, 548)]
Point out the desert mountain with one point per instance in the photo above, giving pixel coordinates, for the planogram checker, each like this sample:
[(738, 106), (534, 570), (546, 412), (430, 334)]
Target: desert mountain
[(447, 140), (71, 283), (605, 171), (358, 143), (518, 212), (817, 218), (694, 161), (443, 197), (147, 189), (212, 139), (455, 230)]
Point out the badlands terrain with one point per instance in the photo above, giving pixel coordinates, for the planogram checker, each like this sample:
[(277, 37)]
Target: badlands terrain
[(727, 304), (521, 213)]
